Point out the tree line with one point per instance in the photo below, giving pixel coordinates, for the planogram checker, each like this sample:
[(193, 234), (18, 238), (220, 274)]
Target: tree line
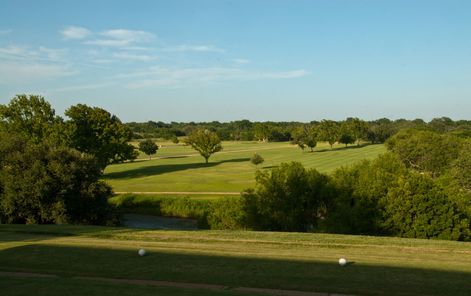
[(347, 131)]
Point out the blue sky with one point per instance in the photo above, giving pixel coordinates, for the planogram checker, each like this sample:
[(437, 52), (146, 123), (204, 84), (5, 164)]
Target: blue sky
[(228, 60)]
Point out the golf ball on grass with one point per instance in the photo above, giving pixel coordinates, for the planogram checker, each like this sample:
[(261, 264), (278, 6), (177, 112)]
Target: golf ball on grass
[(342, 261), (141, 252)]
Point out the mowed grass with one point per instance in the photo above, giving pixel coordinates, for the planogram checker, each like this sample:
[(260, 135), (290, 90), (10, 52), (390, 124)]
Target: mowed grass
[(293, 261), (178, 168)]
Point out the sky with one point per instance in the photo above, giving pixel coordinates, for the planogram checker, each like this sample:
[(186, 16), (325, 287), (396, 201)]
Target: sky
[(195, 60)]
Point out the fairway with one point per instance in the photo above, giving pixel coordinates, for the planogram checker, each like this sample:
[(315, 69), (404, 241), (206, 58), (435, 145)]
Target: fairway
[(90, 259), (178, 168)]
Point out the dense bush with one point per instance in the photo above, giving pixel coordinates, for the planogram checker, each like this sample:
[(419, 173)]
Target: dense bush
[(417, 207), (383, 197), (288, 198), (40, 183), (425, 151), (360, 188)]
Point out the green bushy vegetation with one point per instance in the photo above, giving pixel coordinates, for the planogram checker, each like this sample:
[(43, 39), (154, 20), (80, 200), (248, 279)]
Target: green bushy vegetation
[(50, 169), (384, 196)]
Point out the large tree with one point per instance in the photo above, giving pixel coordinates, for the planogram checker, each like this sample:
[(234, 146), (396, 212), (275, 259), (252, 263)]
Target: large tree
[(205, 142), (95, 131), (31, 117), (43, 183)]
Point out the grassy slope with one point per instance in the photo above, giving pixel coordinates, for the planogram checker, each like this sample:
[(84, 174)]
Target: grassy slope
[(180, 169), (382, 266)]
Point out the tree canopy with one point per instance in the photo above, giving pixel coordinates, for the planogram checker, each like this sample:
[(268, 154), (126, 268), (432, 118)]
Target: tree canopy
[(205, 142), (95, 131), (148, 147)]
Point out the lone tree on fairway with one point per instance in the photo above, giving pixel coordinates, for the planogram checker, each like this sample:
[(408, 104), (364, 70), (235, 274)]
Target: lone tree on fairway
[(257, 159), (205, 142), (148, 147)]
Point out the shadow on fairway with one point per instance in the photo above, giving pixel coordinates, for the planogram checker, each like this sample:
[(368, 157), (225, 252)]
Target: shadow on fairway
[(19, 232), (166, 168), (232, 271), (344, 148)]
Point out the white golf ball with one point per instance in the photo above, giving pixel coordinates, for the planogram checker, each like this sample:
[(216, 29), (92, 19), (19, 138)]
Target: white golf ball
[(141, 252), (342, 261)]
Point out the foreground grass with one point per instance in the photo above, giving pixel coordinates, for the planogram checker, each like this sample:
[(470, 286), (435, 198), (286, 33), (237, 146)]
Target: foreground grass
[(179, 168), (308, 262)]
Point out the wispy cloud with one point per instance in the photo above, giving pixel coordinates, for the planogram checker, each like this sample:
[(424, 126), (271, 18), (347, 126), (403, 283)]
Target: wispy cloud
[(83, 87), (15, 52), (73, 32), (121, 37), (242, 61), (134, 57), (196, 48), (25, 64), (19, 72), (160, 76)]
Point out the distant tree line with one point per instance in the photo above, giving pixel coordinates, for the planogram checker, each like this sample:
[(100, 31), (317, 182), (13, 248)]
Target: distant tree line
[(306, 135), (50, 167)]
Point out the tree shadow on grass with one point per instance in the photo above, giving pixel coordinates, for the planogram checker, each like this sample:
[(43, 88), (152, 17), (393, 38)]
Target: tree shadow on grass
[(344, 148), (232, 271), (165, 168)]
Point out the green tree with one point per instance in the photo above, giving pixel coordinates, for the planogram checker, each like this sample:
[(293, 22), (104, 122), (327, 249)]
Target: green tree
[(361, 190), (419, 208), (359, 129), (329, 131), (175, 140), (305, 136), (345, 134), (41, 183), (257, 159), (148, 147), (288, 198), (205, 142), (425, 151), (95, 131), (31, 117), (262, 131)]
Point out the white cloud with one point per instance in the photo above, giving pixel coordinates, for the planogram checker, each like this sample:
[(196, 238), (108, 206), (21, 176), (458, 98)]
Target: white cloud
[(242, 61), (18, 72), (160, 76), (196, 48), (134, 57), (73, 32), (15, 53), (121, 37)]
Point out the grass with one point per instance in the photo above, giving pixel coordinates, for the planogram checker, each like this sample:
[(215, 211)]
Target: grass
[(305, 262), (178, 168)]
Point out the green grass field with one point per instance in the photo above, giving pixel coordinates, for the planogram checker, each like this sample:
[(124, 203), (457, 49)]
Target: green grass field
[(178, 168), (289, 261)]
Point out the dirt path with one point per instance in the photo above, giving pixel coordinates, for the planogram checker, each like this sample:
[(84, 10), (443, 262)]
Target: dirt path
[(180, 193), (183, 285)]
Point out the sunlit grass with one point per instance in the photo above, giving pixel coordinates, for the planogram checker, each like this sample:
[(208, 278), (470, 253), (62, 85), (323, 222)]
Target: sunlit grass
[(178, 168)]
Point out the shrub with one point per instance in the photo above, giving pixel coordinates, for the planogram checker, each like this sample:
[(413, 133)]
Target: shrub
[(45, 184), (289, 198)]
